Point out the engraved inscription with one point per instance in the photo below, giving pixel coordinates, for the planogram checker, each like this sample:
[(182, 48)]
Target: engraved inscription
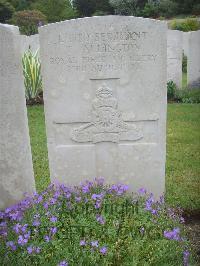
[(107, 123)]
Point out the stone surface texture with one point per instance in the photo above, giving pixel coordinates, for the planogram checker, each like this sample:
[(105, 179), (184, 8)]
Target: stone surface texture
[(193, 66), (174, 56), (16, 170), (30, 42), (186, 42), (105, 100)]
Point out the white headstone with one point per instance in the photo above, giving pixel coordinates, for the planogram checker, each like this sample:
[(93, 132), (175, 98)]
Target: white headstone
[(30, 42), (105, 100), (186, 42), (174, 56), (193, 67), (16, 170)]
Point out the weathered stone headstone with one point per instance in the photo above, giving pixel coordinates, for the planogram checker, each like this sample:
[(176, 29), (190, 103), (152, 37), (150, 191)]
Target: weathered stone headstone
[(105, 100), (186, 42), (193, 66), (16, 170), (30, 42), (174, 56)]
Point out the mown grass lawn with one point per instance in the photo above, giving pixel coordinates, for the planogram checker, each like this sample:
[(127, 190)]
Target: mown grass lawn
[(183, 153)]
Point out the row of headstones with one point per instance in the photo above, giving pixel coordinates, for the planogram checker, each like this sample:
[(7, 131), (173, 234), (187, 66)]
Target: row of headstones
[(187, 43), (105, 104)]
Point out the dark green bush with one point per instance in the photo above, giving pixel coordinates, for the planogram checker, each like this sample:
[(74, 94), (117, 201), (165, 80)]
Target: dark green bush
[(150, 10), (55, 10), (28, 21), (167, 8), (189, 24), (6, 11), (171, 88), (196, 9), (187, 96)]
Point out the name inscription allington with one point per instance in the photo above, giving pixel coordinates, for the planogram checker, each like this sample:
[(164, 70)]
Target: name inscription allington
[(101, 51)]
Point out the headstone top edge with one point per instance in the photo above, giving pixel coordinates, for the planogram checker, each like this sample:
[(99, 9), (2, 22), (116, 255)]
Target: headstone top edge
[(10, 28), (51, 25)]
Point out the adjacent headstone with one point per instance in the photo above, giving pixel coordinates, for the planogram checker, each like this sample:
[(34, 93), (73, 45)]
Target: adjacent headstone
[(105, 100), (193, 66), (186, 42), (174, 56), (16, 170), (30, 42)]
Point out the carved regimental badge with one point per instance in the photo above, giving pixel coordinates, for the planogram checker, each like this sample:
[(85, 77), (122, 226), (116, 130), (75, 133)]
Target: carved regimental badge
[(107, 123)]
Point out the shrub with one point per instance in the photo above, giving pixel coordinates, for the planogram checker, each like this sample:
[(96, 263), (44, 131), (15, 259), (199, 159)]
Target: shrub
[(185, 25), (151, 10), (28, 21), (55, 10), (6, 11), (125, 7), (167, 8), (171, 88), (93, 224), (196, 10), (187, 96), (32, 76)]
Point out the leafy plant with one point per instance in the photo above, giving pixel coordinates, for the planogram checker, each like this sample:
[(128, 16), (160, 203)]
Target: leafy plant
[(187, 96), (28, 21), (184, 64), (92, 224), (32, 75), (188, 24), (6, 11), (171, 88)]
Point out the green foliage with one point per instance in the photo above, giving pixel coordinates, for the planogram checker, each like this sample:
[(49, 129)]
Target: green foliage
[(188, 24), (74, 224), (32, 75), (55, 10), (196, 9), (28, 21), (163, 8), (20, 4), (184, 64), (6, 11), (87, 8), (187, 96), (171, 88), (126, 7)]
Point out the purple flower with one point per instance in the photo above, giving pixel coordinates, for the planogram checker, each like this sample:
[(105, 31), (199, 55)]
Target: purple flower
[(17, 228), (100, 219), (154, 212), (30, 250), (186, 255), (142, 191), (100, 181), (173, 235), (11, 245), (103, 250), (97, 205), (37, 250), (38, 199), (149, 202), (95, 243), (3, 224), (53, 230), (53, 201), (53, 219), (77, 199), (22, 241), (46, 205), (85, 189), (47, 238), (97, 196), (63, 263), (82, 243), (36, 223)]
